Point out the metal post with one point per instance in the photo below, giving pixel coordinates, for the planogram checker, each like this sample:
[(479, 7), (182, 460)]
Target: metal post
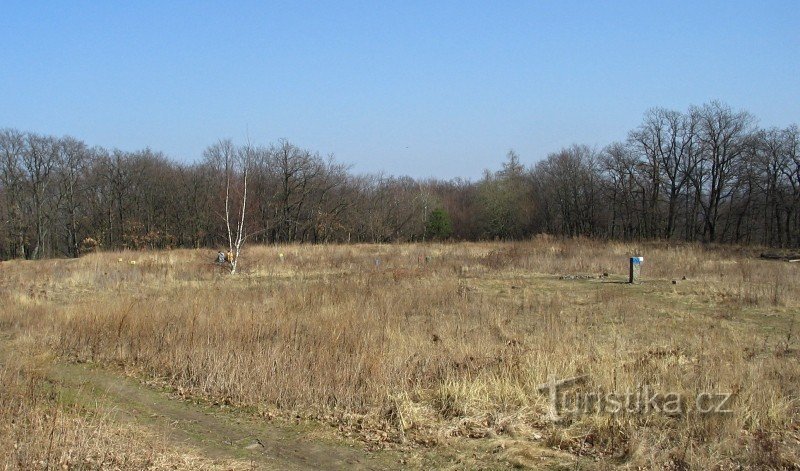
[(635, 268)]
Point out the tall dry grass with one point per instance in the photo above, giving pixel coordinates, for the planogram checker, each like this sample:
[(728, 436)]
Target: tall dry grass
[(423, 344), (42, 428)]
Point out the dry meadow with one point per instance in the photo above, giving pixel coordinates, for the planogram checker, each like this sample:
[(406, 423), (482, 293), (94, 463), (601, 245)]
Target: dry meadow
[(434, 352)]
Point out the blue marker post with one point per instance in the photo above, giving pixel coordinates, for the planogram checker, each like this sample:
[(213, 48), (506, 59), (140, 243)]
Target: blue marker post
[(636, 265)]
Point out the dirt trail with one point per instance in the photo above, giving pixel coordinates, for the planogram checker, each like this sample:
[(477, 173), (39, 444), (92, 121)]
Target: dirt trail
[(218, 434)]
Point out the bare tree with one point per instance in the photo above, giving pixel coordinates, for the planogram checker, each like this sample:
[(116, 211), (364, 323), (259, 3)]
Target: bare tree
[(722, 134), (648, 142), (677, 159), (73, 156), (618, 167), (791, 174), (12, 145), (234, 166), (567, 181), (38, 161), (245, 157), (298, 173)]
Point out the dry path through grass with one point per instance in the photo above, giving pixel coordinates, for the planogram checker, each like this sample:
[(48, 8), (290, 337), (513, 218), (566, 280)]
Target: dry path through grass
[(222, 434)]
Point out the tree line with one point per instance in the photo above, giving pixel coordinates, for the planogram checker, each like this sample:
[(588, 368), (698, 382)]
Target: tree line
[(705, 174)]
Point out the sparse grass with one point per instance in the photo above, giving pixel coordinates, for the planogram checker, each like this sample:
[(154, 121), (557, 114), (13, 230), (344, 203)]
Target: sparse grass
[(399, 351)]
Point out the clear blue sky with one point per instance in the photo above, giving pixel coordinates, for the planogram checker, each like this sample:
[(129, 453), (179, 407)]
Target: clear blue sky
[(424, 88)]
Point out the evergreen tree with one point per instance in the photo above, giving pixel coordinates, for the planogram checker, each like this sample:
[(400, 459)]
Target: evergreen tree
[(438, 226)]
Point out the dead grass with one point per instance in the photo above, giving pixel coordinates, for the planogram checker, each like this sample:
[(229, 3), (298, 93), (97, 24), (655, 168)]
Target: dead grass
[(419, 345), (41, 429)]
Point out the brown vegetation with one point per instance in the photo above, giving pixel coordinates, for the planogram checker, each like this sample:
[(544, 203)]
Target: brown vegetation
[(417, 346)]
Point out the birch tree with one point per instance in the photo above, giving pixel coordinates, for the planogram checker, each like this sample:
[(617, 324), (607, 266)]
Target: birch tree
[(234, 165)]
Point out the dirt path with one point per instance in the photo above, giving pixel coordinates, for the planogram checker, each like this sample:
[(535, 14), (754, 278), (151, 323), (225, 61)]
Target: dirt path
[(213, 433)]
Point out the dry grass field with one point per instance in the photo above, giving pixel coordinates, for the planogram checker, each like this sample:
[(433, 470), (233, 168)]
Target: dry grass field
[(424, 355)]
